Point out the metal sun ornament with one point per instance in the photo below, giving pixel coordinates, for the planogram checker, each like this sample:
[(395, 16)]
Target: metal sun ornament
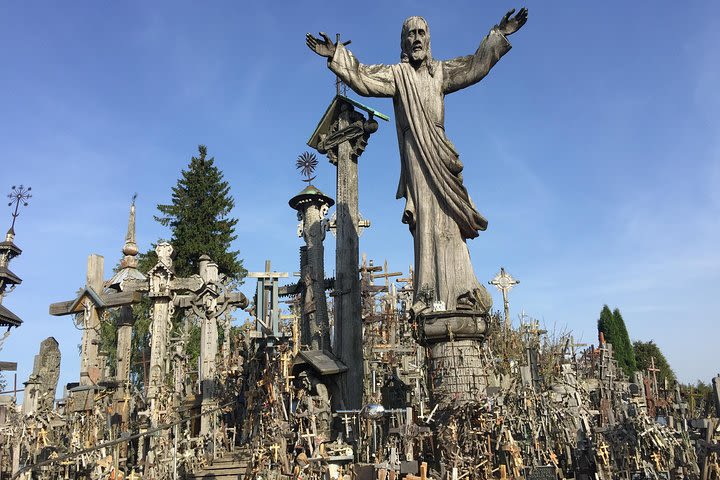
[(306, 163), (18, 195)]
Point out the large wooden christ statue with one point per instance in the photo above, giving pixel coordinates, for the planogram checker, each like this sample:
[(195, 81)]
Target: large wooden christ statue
[(438, 209)]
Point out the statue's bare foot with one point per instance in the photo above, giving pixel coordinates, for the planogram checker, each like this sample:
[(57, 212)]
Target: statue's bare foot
[(477, 300), (466, 302)]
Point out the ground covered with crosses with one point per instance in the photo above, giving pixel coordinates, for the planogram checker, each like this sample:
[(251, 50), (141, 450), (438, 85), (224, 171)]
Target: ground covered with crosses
[(264, 404)]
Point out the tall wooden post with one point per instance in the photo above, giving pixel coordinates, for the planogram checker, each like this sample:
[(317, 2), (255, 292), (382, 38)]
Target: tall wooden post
[(342, 134), (124, 348), (90, 369), (160, 280), (348, 324)]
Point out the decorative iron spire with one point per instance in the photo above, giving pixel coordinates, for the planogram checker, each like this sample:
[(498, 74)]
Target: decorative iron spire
[(306, 163), (129, 263), (18, 195), (130, 248)]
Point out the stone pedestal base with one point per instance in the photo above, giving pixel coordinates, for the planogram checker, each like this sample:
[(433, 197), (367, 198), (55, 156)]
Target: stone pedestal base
[(457, 371)]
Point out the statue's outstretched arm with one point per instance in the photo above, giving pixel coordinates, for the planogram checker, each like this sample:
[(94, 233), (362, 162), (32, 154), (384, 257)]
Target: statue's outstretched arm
[(323, 47), (365, 80), (509, 24), (462, 72)]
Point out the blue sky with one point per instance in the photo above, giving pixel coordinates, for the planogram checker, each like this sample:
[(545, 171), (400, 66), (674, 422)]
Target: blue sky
[(593, 148)]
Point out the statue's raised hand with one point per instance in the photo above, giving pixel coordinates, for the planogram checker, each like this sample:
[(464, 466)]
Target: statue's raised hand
[(509, 24), (324, 47)]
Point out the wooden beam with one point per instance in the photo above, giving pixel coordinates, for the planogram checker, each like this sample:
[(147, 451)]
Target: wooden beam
[(109, 299), (8, 366), (61, 308), (267, 275)]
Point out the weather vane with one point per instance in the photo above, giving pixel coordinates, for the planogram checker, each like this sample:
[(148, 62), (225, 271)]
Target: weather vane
[(17, 196), (306, 163)]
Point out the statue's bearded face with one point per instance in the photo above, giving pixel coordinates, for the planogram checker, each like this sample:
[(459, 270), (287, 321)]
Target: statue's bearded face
[(416, 39)]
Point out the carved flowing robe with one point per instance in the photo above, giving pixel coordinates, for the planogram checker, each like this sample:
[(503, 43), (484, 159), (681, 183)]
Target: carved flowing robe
[(438, 209)]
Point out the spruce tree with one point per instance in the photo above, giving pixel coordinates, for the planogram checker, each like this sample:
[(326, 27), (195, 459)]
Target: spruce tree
[(606, 324), (613, 328), (627, 353), (199, 221), (198, 217)]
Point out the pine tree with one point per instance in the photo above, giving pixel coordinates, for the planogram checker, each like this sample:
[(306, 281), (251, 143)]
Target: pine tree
[(645, 352), (613, 328), (198, 217)]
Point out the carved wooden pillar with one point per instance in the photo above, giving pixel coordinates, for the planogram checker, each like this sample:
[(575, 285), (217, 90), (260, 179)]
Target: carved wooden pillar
[(125, 324), (209, 299), (160, 277), (312, 205), (208, 343)]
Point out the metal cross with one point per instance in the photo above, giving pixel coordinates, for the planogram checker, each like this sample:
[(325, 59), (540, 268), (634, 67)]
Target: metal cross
[(18, 195), (340, 87), (504, 282)]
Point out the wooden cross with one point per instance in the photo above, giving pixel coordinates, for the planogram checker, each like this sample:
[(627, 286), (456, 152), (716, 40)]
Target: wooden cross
[(604, 454), (286, 372), (610, 375), (658, 461), (652, 369), (42, 438), (386, 275), (693, 395), (533, 328), (309, 436), (210, 300), (90, 304), (275, 447), (573, 346), (267, 308), (347, 420), (408, 281)]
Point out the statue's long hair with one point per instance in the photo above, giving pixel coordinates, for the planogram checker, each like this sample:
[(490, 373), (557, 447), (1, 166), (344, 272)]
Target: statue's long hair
[(404, 56)]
